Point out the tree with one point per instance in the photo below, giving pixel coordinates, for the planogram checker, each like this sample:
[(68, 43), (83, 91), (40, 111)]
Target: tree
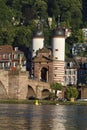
[(77, 36), (81, 36), (71, 92), (84, 10), (56, 86), (23, 36), (5, 14), (69, 10), (17, 13)]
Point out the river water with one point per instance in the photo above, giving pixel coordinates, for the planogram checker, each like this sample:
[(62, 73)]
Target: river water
[(42, 117)]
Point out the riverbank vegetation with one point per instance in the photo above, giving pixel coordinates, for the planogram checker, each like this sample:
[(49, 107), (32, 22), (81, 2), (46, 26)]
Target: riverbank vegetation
[(42, 102)]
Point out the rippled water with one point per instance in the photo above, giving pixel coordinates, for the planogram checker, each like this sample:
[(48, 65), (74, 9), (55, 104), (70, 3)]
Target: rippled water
[(43, 117)]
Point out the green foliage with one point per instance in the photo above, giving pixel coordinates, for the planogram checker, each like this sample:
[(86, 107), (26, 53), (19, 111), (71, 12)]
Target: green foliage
[(71, 92), (7, 35), (67, 50), (70, 11), (56, 86), (77, 36), (17, 19), (23, 36), (52, 95)]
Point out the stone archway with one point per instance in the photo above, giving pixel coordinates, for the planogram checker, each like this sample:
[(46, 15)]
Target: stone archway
[(45, 94), (3, 93), (31, 94), (44, 74)]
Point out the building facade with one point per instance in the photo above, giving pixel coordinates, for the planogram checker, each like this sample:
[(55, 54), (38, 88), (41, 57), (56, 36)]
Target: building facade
[(11, 58), (48, 64), (71, 70)]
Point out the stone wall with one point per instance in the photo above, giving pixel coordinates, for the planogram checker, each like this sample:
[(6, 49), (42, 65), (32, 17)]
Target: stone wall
[(14, 85), (18, 85), (4, 81)]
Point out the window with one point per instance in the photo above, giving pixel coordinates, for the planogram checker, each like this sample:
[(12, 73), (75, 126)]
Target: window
[(68, 65), (65, 72), (4, 56), (65, 79), (56, 57), (56, 49), (9, 56), (70, 72), (69, 80), (15, 56)]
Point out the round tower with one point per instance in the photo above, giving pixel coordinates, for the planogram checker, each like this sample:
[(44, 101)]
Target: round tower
[(58, 48), (38, 40), (58, 44)]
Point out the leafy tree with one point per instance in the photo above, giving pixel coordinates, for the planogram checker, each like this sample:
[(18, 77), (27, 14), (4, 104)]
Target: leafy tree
[(67, 50), (84, 12), (41, 8), (71, 92), (70, 11), (15, 15), (52, 96), (23, 36), (7, 35), (56, 86), (77, 36), (5, 14), (81, 36)]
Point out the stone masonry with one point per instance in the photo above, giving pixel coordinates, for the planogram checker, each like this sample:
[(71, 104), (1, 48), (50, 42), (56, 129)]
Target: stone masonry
[(14, 85)]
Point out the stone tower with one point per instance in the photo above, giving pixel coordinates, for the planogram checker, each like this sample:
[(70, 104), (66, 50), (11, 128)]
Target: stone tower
[(58, 49), (38, 39)]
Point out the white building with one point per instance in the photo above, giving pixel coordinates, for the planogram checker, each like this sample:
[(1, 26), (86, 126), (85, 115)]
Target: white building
[(58, 49)]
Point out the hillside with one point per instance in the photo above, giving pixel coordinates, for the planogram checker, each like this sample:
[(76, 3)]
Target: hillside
[(18, 18)]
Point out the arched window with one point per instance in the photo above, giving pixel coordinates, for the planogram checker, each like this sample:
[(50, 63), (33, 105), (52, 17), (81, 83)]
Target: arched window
[(44, 74)]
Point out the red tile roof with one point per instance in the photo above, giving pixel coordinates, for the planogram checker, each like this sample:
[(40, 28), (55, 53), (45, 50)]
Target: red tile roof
[(6, 49)]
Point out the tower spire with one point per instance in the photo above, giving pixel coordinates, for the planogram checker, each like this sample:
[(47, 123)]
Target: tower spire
[(58, 21), (39, 25)]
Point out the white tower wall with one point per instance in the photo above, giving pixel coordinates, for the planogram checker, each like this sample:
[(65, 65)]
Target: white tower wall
[(59, 48), (58, 44), (37, 43)]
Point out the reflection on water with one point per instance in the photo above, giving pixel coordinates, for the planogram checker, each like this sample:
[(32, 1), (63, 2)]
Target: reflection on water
[(43, 117)]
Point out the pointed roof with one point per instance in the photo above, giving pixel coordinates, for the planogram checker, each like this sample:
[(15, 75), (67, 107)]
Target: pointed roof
[(39, 32), (44, 50), (43, 54), (59, 31), (6, 49)]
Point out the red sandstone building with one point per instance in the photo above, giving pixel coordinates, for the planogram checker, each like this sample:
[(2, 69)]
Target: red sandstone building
[(11, 58)]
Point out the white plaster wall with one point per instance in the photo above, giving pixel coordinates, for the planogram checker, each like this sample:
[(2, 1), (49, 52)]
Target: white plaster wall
[(38, 43), (59, 43)]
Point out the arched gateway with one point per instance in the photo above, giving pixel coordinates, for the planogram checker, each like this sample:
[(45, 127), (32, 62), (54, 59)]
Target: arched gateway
[(44, 74)]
